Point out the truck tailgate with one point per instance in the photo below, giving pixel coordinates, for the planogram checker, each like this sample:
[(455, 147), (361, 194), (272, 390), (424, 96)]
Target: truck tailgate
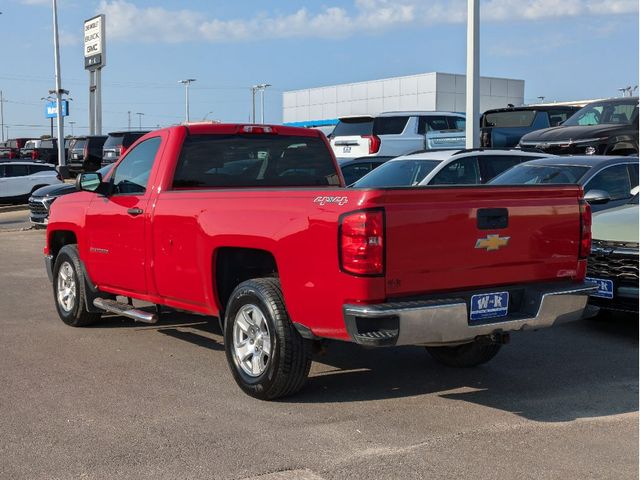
[(440, 239)]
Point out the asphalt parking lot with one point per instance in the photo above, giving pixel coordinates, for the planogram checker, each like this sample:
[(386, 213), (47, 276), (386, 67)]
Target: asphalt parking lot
[(122, 400)]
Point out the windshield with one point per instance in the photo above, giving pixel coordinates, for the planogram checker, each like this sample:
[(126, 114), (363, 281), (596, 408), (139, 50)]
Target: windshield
[(534, 174), (601, 113), (78, 144), (397, 173)]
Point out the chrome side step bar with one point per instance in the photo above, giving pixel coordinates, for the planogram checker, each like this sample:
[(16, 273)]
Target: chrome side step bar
[(125, 310)]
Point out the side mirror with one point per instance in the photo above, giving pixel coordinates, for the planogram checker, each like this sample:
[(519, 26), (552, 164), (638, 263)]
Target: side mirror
[(88, 182), (597, 197)]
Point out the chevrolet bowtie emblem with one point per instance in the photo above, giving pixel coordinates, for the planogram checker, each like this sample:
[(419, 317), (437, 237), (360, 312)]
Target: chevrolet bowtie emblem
[(492, 242)]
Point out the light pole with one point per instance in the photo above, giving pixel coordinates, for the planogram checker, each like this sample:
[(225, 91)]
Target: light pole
[(140, 114), (205, 117), (260, 87), (1, 115), (473, 74), (186, 84), (128, 119), (62, 161), (72, 123)]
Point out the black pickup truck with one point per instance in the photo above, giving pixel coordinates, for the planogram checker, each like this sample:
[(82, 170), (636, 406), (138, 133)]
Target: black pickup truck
[(504, 127)]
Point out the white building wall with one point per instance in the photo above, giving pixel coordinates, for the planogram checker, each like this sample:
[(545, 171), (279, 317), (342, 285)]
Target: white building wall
[(427, 91)]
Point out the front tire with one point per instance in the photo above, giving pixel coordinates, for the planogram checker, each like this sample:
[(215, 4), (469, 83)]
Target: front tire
[(466, 355), (69, 290), (267, 356)]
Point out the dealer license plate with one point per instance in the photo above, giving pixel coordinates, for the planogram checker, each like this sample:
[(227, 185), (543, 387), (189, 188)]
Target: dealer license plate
[(605, 287), (489, 305)]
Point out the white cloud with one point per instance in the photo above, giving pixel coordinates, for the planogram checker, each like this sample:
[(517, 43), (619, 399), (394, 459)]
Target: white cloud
[(158, 24)]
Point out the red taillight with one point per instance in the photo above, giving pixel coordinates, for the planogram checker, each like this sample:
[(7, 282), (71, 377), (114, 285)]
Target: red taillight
[(585, 229), (374, 143), (12, 154), (34, 154), (120, 149), (361, 242)]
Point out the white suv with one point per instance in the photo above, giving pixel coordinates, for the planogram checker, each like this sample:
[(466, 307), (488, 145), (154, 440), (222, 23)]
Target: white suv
[(19, 179), (391, 134)]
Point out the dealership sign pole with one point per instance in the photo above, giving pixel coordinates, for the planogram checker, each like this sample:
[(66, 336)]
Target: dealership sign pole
[(62, 161), (473, 74), (94, 60)]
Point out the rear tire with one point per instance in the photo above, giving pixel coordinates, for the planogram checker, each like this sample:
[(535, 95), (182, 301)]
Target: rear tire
[(69, 289), (267, 356), (466, 355)]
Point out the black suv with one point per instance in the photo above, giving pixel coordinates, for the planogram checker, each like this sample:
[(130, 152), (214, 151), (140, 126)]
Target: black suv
[(608, 127), (117, 143), (504, 127), (85, 153)]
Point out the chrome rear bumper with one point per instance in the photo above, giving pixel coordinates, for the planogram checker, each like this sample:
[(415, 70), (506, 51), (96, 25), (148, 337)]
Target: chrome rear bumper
[(446, 321)]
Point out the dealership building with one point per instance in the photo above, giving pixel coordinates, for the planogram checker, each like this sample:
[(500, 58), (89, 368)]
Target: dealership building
[(426, 91)]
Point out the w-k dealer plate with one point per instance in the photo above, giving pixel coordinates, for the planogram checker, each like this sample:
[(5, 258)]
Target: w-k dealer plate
[(605, 287), (489, 305)]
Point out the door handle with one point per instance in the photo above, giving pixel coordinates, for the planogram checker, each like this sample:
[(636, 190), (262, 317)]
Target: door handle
[(135, 211)]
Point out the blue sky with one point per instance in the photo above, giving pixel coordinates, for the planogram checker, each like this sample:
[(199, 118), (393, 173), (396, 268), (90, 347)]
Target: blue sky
[(563, 49)]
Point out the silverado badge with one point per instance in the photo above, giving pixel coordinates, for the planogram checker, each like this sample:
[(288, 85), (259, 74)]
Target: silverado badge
[(492, 242)]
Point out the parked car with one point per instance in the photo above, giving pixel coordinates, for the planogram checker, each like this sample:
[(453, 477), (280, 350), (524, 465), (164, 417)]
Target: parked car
[(117, 143), (252, 224), (41, 199), (504, 127), (607, 181), (85, 153), (613, 263), (11, 149), (45, 151), (609, 127), (354, 170), (18, 180), (391, 134), (448, 167)]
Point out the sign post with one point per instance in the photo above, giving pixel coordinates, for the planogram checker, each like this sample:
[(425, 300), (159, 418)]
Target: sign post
[(94, 60)]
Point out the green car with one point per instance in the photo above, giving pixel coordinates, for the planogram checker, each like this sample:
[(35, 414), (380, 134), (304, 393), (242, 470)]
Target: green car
[(613, 263)]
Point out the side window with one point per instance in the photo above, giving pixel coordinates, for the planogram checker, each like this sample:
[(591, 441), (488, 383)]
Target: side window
[(40, 168), (432, 123), (352, 173), (461, 172), (389, 125), (132, 173), (17, 170), (613, 180), (494, 165), (457, 123)]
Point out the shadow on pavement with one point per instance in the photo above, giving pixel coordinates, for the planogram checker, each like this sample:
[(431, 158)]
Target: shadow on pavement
[(578, 370), (584, 369)]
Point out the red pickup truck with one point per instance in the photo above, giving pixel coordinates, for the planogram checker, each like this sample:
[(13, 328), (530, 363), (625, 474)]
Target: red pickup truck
[(252, 224)]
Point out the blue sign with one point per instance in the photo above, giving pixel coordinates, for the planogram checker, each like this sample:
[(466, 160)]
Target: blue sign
[(51, 109), (605, 287), (489, 305)]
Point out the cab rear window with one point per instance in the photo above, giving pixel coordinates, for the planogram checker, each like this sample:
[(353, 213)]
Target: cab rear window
[(254, 160)]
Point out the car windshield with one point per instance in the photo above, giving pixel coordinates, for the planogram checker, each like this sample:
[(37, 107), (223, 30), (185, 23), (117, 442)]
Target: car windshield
[(78, 144), (524, 174), (113, 141), (601, 113), (397, 173)]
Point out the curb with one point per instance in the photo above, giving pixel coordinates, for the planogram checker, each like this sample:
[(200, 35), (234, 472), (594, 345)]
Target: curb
[(14, 208)]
